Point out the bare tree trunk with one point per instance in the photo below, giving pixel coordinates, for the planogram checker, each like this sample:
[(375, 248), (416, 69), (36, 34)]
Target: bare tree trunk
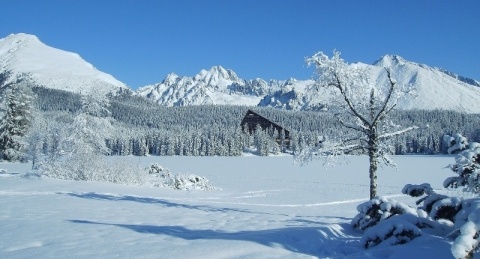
[(373, 174), (373, 159)]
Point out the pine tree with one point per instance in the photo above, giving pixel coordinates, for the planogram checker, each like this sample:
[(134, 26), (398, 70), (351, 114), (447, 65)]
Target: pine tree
[(84, 144), (15, 119)]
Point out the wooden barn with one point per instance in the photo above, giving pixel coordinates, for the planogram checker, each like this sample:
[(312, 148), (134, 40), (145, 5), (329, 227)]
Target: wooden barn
[(252, 119)]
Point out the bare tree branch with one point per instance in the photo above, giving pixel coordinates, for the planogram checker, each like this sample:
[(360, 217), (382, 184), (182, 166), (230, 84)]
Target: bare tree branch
[(384, 110), (367, 112)]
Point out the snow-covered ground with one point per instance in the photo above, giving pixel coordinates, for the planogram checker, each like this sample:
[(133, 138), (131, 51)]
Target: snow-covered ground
[(266, 208)]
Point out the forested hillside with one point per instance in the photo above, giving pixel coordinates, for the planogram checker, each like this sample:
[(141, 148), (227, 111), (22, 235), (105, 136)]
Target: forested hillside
[(142, 127)]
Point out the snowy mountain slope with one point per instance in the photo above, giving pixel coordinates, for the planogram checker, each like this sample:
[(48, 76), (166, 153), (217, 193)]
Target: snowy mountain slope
[(434, 88), (291, 97), (467, 80), (25, 55), (217, 86)]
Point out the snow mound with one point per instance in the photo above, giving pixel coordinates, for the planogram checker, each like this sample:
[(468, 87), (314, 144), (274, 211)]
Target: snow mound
[(162, 177)]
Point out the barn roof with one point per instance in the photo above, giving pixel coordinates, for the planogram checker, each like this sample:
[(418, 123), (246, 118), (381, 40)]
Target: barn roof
[(258, 119)]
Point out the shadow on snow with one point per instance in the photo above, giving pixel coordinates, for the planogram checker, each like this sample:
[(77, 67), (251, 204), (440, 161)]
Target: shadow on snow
[(148, 200), (321, 240), (324, 241)]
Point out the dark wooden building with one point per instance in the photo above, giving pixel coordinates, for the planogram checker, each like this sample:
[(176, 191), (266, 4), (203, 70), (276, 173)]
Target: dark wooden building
[(252, 119)]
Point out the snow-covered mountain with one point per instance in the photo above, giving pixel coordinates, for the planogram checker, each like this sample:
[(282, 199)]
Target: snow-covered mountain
[(434, 88), (217, 86), (24, 55)]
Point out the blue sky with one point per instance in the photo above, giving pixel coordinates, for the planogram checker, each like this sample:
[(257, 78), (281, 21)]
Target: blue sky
[(140, 41)]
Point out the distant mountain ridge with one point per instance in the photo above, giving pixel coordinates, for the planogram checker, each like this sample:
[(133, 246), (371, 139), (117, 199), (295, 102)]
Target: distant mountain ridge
[(435, 89), (25, 56), (217, 86)]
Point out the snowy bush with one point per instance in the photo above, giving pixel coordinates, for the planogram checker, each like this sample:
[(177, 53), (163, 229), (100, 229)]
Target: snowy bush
[(435, 206), (467, 165), (392, 223), (446, 209), (455, 143), (95, 169), (162, 177), (401, 228), (389, 222), (392, 232), (415, 190), (379, 209), (191, 182)]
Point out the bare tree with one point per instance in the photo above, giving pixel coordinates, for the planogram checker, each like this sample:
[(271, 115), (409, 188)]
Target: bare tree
[(362, 108)]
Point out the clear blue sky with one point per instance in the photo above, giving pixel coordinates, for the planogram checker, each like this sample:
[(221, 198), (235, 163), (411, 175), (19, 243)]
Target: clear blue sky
[(140, 41)]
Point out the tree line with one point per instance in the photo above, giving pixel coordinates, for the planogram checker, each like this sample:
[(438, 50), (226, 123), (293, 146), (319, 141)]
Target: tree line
[(141, 127)]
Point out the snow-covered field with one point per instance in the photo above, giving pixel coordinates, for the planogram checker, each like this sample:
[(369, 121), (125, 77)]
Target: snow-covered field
[(266, 208)]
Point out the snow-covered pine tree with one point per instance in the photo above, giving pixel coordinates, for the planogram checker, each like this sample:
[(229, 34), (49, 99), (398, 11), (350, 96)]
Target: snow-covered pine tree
[(455, 143), (35, 139), (467, 165), (363, 108), (84, 144), (16, 115)]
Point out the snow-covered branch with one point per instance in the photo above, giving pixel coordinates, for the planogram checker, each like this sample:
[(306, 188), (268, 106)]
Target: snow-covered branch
[(396, 133), (367, 107)]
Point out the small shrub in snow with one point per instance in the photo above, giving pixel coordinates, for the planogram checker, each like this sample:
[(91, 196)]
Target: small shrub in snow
[(191, 182), (164, 178), (455, 143), (156, 169), (430, 200), (417, 190), (392, 223), (379, 209), (467, 168), (392, 232), (446, 209), (95, 169), (425, 223)]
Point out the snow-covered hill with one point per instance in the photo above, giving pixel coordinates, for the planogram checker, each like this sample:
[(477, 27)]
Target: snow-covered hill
[(26, 56)]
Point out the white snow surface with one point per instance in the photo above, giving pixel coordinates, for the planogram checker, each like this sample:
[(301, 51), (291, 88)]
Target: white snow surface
[(266, 208), (53, 68)]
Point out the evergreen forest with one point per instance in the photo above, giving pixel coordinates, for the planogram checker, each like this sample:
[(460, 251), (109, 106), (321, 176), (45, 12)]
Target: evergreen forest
[(145, 128)]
